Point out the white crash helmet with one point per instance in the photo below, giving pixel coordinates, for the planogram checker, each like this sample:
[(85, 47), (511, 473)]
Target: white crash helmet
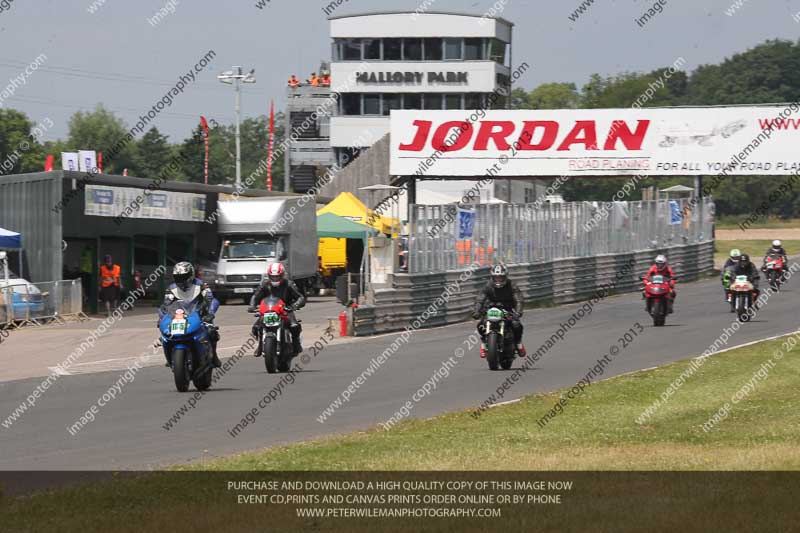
[(275, 273)]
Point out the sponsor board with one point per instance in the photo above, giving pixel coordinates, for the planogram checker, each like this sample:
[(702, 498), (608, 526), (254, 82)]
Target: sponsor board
[(597, 142), (102, 201)]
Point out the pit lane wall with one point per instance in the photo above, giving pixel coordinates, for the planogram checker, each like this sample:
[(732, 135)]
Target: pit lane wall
[(448, 297)]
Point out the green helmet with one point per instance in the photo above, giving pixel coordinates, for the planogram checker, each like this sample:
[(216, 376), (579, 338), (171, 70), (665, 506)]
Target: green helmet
[(736, 254)]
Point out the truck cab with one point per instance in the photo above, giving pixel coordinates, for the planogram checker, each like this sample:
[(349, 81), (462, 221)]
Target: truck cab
[(256, 232), (243, 262)]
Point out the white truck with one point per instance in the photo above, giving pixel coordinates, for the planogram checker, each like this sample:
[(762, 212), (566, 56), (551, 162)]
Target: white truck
[(255, 232)]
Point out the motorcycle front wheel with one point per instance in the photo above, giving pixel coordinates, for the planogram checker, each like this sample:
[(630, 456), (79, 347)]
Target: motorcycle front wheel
[(742, 305), (774, 280), (493, 344), (180, 369), (270, 354), (659, 313)]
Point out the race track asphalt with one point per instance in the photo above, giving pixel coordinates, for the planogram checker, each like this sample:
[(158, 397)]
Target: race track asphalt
[(128, 433)]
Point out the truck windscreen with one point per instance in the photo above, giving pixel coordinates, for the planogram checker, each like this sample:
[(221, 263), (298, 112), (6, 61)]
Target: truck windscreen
[(248, 249)]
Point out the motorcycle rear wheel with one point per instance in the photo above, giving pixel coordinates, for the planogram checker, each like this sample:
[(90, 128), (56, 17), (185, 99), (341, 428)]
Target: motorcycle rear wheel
[(492, 347), (203, 381), (284, 363), (180, 369)]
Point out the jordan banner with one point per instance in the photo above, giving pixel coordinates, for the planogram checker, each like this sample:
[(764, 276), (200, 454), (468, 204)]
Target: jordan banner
[(597, 142)]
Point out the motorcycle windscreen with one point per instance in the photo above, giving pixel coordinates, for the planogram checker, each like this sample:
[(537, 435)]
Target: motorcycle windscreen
[(176, 313)]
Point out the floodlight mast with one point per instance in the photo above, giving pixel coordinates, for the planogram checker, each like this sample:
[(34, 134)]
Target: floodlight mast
[(236, 77)]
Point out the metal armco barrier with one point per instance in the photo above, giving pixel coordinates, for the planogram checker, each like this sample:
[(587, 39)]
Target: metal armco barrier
[(559, 281), (39, 303)]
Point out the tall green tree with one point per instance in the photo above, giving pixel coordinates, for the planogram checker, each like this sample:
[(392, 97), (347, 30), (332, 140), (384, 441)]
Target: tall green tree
[(769, 72), (155, 154), (20, 148), (101, 130), (555, 96)]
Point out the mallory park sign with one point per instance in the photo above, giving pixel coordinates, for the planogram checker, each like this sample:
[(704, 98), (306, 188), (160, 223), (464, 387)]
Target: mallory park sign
[(411, 78)]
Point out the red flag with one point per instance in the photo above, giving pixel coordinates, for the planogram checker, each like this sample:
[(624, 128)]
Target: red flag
[(204, 125), (48, 164), (271, 143), (100, 162)]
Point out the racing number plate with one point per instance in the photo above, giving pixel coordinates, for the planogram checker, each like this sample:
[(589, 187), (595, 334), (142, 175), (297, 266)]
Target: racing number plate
[(271, 319), (178, 327)]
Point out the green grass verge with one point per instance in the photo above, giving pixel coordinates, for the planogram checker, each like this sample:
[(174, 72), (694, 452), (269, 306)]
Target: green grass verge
[(597, 430), (755, 249), (732, 222)]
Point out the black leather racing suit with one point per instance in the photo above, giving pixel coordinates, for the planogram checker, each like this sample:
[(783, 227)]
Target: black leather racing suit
[(751, 271), (510, 297), (291, 296)]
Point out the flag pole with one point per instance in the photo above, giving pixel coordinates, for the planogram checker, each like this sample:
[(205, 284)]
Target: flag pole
[(271, 143), (204, 125)]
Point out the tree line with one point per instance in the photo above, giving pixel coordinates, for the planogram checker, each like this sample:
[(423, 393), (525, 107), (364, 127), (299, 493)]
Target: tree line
[(100, 129)]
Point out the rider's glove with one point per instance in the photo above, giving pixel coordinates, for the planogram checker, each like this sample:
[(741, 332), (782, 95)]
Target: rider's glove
[(476, 315), (289, 308), (251, 309)]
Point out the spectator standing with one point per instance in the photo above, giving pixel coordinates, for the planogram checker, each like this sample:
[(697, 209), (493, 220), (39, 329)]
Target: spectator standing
[(110, 283)]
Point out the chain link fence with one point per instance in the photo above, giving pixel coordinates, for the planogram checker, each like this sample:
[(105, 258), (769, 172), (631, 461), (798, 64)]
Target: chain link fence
[(24, 303), (450, 237)]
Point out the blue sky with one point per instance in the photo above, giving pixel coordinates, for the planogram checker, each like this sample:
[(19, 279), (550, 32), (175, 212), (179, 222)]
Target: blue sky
[(117, 58)]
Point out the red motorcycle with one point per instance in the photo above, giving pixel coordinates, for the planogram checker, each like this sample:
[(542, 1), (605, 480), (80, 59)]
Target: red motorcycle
[(774, 269), (657, 293), (275, 342)]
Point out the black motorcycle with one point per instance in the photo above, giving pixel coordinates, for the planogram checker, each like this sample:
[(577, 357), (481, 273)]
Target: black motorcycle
[(500, 348)]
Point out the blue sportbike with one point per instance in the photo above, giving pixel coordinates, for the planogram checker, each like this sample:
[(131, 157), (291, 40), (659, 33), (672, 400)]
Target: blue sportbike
[(187, 345)]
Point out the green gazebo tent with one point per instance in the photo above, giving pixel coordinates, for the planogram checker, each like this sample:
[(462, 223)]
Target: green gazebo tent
[(336, 227)]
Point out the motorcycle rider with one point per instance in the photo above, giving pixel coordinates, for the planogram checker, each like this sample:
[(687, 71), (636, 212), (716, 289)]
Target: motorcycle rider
[(733, 260), (279, 286), (729, 265), (662, 268), (747, 268), (184, 288), (501, 290), (777, 249)]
